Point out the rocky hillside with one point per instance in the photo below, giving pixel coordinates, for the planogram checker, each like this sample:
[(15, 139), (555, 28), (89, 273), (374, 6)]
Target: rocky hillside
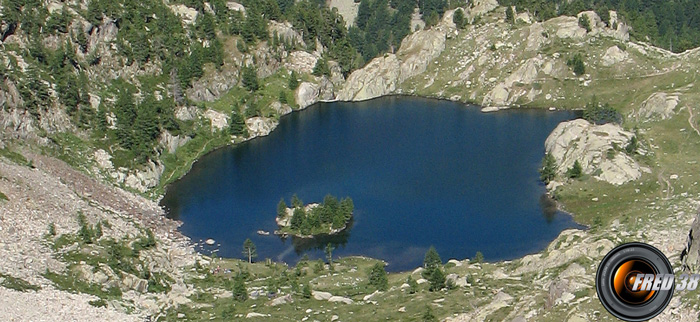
[(82, 241)]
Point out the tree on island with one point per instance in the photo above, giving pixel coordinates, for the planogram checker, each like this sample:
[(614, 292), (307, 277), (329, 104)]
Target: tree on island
[(249, 250), (281, 208)]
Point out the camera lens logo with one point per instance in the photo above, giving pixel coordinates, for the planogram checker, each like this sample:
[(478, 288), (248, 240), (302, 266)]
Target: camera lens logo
[(634, 282)]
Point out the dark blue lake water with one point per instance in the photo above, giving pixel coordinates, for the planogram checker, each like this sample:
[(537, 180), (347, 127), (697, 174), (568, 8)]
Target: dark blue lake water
[(421, 172)]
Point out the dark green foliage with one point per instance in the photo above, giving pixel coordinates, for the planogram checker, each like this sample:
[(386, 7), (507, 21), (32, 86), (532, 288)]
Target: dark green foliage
[(331, 214), (548, 170), (281, 208), (293, 82), (250, 78), (436, 278), (306, 291), (58, 22), (458, 18), (576, 63), (52, 229), (329, 254), (412, 285), (601, 113), (575, 171), (510, 15), (479, 257), (428, 315), (432, 258), (377, 277), (249, 250), (321, 68), (237, 125), (632, 146), (240, 292), (584, 22), (432, 265)]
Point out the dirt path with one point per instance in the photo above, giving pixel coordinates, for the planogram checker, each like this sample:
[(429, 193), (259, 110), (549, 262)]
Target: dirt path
[(663, 181), (691, 119)]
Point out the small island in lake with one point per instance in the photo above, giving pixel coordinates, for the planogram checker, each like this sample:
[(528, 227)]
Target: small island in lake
[(306, 221)]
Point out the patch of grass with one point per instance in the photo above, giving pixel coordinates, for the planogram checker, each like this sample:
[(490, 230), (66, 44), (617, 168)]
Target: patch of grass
[(3, 197), (14, 157), (71, 282), (17, 284)]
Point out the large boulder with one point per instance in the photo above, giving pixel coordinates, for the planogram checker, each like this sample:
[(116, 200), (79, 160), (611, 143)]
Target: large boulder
[(658, 105), (307, 94), (613, 56), (567, 27), (591, 146), (171, 142)]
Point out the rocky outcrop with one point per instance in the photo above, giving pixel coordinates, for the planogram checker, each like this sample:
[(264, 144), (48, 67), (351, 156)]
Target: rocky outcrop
[(143, 180), (219, 121), (260, 126), (383, 74), (658, 106), (595, 148), (172, 142), (690, 257), (613, 56), (301, 62), (379, 77), (211, 87), (285, 32), (567, 27), (307, 94)]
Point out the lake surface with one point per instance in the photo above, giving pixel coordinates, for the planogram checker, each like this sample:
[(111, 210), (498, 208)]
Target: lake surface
[(421, 172)]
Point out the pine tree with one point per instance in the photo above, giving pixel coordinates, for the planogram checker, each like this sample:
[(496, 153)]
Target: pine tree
[(249, 250), (293, 81), (458, 18), (412, 285), (240, 292), (329, 254), (281, 208), (306, 291), (510, 15), (575, 171), (584, 22), (428, 315), (548, 171), (250, 78), (432, 258), (378, 277), (436, 279), (237, 125)]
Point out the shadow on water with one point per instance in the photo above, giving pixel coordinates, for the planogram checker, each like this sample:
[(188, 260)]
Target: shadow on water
[(549, 207), (319, 242)]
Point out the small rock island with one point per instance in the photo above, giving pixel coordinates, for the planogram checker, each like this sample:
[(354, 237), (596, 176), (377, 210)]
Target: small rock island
[(307, 221)]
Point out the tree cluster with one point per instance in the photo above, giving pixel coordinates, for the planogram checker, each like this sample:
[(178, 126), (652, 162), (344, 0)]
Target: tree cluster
[(331, 214)]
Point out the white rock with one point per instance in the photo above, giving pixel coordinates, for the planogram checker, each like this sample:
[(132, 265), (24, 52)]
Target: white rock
[(260, 126), (256, 315), (658, 105), (340, 299), (210, 241), (581, 141), (613, 56), (219, 121), (321, 296), (307, 94)]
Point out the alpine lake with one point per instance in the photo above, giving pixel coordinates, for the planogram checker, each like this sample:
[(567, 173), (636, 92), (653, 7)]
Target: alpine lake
[(421, 172)]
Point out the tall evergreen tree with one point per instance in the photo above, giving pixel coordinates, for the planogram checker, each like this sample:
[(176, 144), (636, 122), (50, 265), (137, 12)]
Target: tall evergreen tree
[(249, 250)]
